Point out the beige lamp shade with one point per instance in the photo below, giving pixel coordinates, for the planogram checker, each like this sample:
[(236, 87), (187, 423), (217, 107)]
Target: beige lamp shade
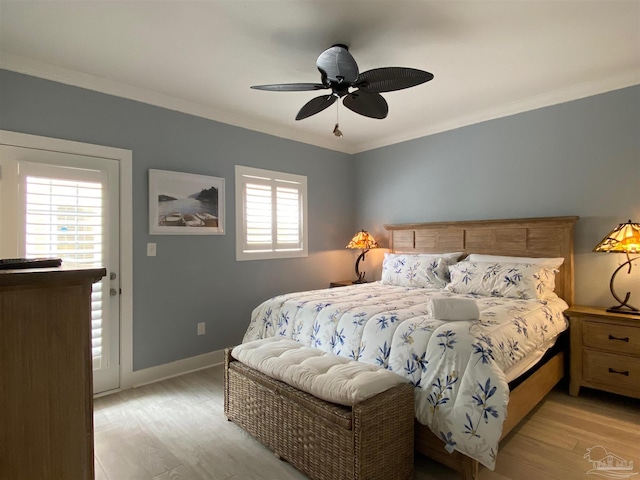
[(625, 238), (363, 240)]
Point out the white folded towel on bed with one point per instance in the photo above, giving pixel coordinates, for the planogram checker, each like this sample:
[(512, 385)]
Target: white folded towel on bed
[(453, 308)]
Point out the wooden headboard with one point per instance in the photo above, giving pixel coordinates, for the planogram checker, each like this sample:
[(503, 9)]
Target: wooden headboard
[(521, 237)]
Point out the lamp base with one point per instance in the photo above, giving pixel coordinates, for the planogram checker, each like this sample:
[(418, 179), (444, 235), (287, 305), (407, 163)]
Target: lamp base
[(360, 274), (624, 306), (623, 310)]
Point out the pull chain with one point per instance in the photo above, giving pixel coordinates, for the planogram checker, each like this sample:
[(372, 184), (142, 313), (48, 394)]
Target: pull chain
[(336, 129)]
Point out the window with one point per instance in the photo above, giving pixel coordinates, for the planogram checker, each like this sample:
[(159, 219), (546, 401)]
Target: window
[(271, 211)]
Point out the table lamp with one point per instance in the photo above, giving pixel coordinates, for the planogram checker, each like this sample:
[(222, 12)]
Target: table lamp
[(625, 238), (364, 241)]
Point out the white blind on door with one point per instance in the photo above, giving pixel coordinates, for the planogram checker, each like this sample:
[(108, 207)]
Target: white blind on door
[(63, 219)]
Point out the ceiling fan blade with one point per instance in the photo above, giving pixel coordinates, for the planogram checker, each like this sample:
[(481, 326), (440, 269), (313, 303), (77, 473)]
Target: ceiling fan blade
[(315, 105), (290, 87), (391, 78), (337, 65), (371, 105)]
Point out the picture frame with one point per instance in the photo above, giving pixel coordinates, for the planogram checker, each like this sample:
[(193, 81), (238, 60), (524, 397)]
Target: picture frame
[(185, 204)]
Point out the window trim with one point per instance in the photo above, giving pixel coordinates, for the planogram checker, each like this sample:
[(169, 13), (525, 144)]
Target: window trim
[(241, 172)]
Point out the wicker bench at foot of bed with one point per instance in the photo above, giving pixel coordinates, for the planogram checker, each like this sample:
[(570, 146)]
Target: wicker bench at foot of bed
[(371, 440)]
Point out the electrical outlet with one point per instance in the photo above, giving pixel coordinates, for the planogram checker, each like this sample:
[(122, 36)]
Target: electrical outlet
[(201, 328), (151, 249)]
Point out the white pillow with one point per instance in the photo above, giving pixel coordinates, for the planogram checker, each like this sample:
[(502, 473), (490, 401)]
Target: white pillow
[(495, 279), (551, 263), (417, 270)]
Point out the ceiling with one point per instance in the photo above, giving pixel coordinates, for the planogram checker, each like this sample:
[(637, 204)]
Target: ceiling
[(490, 58)]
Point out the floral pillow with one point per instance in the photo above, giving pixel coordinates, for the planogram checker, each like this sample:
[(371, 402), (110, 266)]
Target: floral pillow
[(419, 270), (495, 279)]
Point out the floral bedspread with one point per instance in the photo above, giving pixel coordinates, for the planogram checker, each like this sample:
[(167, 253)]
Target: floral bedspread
[(457, 367)]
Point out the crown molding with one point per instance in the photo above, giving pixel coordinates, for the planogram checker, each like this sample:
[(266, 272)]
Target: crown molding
[(47, 71), (75, 78), (575, 92)]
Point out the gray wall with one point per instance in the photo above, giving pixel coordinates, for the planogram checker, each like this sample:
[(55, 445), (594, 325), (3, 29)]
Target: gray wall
[(577, 158), (194, 278)]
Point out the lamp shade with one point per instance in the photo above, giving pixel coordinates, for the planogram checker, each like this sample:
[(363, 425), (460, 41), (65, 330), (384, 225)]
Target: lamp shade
[(625, 238), (363, 240)]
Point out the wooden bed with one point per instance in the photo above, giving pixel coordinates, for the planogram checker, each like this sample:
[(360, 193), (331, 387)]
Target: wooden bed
[(526, 237)]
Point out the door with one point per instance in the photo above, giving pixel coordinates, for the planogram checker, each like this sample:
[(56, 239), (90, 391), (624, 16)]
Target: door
[(67, 206)]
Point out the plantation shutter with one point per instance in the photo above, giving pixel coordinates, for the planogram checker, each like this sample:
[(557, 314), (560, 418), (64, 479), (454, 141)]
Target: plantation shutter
[(273, 210), (258, 216), (288, 225), (63, 219)]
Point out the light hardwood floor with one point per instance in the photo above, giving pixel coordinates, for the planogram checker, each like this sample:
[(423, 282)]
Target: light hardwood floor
[(175, 429)]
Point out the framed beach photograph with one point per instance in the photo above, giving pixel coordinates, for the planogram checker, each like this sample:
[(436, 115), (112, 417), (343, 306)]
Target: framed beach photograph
[(185, 204)]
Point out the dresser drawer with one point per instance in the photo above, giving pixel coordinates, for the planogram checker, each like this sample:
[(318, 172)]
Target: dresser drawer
[(612, 338), (619, 371)]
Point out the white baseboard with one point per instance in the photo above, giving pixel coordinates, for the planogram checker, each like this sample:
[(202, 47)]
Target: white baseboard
[(173, 369)]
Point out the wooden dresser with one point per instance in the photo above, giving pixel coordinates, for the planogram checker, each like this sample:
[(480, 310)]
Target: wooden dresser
[(46, 404), (605, 351)]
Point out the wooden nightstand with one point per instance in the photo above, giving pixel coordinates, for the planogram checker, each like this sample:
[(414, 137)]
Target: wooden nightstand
[(341, 283), (605, 351)]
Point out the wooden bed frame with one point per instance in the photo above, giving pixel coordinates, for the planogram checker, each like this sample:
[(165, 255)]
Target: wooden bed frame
[(524, 237)]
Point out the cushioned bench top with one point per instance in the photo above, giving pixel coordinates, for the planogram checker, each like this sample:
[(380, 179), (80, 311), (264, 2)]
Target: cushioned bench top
[(324, 375)]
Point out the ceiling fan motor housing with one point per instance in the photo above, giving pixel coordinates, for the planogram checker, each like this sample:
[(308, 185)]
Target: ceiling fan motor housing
[(338, 67)]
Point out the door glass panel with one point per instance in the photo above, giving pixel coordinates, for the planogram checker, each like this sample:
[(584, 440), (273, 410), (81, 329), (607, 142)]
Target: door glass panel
[(63, 219)]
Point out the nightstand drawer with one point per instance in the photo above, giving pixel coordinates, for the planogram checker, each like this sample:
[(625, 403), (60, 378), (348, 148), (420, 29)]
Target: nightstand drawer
[(612, 338), (619, 371)]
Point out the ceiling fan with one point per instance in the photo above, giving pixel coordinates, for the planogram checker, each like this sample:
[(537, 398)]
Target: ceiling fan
[(360, 91)]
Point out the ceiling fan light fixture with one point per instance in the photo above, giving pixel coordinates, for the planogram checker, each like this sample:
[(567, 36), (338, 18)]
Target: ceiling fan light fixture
[(339, 73)]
